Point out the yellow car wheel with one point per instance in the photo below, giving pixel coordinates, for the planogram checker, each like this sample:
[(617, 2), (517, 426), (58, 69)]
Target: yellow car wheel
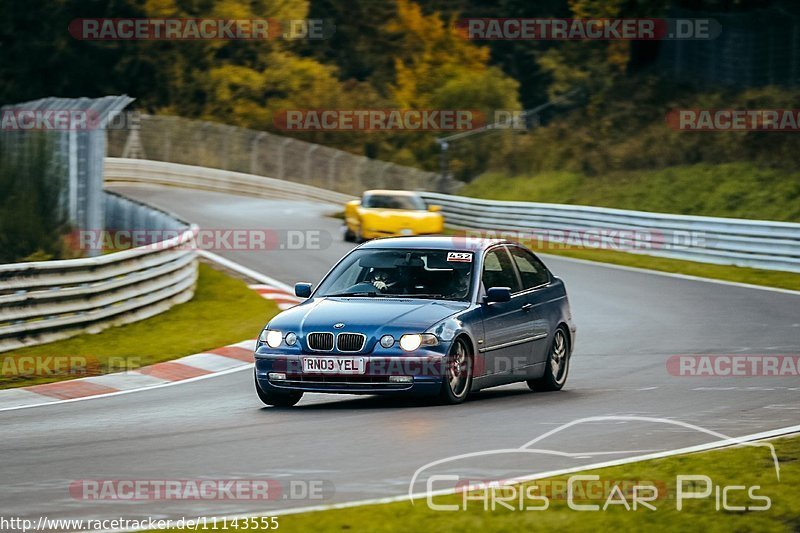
[(349, 235)]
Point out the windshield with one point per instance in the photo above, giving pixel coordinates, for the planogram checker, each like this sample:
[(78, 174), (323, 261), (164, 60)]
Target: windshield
[(437, 274), (387, 201)]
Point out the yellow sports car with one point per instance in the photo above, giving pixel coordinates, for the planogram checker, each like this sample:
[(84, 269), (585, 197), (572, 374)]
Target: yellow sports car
[(382, 213)]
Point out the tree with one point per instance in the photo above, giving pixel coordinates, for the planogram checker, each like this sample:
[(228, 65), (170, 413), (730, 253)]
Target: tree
[(436, 68)]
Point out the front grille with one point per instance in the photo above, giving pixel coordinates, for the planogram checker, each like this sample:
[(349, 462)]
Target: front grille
[(350, 342), (322, 342)]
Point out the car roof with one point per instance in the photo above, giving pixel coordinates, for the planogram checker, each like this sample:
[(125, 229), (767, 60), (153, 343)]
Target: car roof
[(391, 192), (439, 242)]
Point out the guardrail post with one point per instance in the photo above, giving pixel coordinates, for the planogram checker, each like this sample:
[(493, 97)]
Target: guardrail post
[(254, 153), (309, 154), (332, 170), (282, 158), (359, 173), (381, 175)]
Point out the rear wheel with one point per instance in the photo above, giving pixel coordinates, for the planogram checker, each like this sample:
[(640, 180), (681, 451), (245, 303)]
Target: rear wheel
[(457, 379), (278, 399), (557, 368)]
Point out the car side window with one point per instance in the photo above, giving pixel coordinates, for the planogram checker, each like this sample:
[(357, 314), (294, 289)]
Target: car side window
[(531, 270), (498, 270)]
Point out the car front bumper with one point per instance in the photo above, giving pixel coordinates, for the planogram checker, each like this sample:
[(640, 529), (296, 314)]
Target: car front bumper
[(425, 371), (377, 233)]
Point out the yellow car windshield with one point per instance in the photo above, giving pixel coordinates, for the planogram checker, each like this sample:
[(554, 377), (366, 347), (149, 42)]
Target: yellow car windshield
[(385, 201)]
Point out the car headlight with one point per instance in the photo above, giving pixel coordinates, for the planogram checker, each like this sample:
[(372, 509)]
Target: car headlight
[(272, 337), (411, 342)]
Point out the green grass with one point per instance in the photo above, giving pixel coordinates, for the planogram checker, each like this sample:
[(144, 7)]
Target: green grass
[(738, 190), (746, 466), (223, 311)]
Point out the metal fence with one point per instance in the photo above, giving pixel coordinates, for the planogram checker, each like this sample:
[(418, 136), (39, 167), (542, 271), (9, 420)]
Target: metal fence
[(728, 241), (213, 145), (49, 300), (77, 151), (755, 48)]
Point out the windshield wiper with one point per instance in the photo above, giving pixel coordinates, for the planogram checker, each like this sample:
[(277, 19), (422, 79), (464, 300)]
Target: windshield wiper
[(435, 296), (386, 295), (359, 293)]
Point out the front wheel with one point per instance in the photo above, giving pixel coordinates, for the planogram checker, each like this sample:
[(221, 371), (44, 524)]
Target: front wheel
[(349, 235), (555, 373), (278, 399), (457, 374)]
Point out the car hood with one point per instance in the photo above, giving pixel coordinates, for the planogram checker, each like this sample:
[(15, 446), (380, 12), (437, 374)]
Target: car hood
[(369, 315)]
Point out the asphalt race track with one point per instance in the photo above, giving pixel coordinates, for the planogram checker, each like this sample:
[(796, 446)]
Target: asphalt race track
[(629, 323)]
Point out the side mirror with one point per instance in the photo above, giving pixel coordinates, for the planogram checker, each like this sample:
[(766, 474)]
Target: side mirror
[(434, 208), (302, 290), (498, 294)]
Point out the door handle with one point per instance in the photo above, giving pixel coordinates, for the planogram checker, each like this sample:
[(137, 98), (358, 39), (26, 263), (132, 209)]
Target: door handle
[(527, 307)]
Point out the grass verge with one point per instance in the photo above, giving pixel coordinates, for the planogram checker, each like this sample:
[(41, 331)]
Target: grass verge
[(223, 311), (745, 466), (738, 190)]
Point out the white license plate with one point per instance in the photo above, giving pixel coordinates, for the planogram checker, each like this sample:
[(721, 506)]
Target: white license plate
[(406, 231), (334, 365)]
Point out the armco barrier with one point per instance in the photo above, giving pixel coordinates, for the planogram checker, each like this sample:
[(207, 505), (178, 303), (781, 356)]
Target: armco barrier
[(728, 241), (49, 300), (213, 179)]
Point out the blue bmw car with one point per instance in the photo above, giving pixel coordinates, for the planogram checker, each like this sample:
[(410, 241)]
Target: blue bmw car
[(433, 316)]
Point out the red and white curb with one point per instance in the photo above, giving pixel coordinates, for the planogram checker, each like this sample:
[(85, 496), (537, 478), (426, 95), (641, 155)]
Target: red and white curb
[(220, 360), (231, 358), (280, 296)]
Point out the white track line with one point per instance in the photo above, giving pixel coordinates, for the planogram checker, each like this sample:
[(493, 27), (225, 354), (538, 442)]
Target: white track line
[(672, 274), (249, 272), (244, 366), (725, 443)]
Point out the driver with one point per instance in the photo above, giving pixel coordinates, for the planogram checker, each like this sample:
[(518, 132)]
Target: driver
[(383, 279)]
